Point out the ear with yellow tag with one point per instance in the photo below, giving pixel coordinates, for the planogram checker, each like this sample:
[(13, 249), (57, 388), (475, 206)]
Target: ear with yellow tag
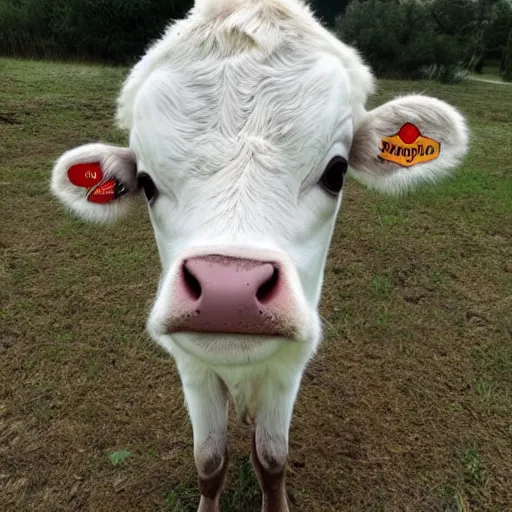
[(408, 141), (409, 147)]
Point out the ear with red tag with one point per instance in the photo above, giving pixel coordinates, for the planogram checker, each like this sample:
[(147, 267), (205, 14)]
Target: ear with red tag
[(408, 141), (97, 181)]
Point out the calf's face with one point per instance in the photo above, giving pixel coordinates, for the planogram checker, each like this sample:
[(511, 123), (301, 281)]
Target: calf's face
[(243, 185), (242, 164)]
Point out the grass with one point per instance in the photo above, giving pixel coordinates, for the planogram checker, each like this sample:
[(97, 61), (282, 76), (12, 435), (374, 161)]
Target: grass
[(119, 457), (491, 71), (473, 465), (406, 407), (241, 494)]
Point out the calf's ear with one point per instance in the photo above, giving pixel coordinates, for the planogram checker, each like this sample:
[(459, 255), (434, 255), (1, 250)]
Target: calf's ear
[(408, 141), (96, 181)]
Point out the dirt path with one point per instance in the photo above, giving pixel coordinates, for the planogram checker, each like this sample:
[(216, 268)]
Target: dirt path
[(476, 79)]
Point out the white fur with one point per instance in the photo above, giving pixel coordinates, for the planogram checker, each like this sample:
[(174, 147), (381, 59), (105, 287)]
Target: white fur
[(114, 161), (235, 113), (435, 119), (231, 28)]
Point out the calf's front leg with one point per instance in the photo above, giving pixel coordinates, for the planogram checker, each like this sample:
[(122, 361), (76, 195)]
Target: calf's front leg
[(270, 444), (207, 402)]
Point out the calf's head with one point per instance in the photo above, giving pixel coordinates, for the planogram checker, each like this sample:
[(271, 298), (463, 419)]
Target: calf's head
[(242, 126)]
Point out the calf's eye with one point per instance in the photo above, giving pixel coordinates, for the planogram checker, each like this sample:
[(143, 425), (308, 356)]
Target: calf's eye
[(334, 174), (146, 183)]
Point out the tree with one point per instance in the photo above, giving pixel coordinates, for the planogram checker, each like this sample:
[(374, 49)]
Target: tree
[(480, 26), (329, 10), (399, 38), (108, 30), (499, 26), (507, 60), (465, 21)]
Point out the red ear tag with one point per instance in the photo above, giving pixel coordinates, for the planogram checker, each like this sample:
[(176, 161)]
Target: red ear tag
[(409, 133), (85, 175), (107, 192)]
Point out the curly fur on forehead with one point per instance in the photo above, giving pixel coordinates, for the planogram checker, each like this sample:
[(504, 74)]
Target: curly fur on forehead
[(216, 30), (219, 117)]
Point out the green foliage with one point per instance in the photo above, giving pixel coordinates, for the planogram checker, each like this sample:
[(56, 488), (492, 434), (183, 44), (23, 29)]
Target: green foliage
[(399, 38), (498, 28), (115, 31), (22, 27), (107, 30), (436, 39), (452, 74), (457, 19), (480, 27), (327, 10), (507, 60)]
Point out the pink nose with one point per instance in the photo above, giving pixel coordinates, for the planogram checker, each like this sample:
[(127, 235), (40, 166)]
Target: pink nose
[(229, 295)]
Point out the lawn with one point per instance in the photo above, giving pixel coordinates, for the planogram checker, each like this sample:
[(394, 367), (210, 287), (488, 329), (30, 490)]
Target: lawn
[(407, 407), (490, 71)]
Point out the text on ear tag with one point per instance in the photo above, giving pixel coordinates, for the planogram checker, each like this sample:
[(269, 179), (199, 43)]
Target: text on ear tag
[(409, 147), (106, 192), (85, 175)]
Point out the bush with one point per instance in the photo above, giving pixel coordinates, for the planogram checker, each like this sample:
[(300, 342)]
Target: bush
[(445, 74), (496, 32), (400, 39), (24, 27), (107, 30)]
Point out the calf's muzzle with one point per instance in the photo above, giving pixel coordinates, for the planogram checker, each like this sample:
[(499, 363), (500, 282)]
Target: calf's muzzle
[(223, 294)]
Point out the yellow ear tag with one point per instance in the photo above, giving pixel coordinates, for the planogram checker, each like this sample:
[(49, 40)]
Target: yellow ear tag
[(408, 147)]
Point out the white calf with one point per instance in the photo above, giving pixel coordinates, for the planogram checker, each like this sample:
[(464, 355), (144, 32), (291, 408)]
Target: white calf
[(243, 119)]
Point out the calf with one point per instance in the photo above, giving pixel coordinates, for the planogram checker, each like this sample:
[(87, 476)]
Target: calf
[(243, 121)]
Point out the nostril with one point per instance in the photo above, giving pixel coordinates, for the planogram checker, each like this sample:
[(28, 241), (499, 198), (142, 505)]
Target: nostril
[(267, 290), (191, 283)]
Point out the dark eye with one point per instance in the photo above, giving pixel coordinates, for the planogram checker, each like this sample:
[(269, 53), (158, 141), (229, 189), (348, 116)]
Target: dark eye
[(145, 182), (334, 174)]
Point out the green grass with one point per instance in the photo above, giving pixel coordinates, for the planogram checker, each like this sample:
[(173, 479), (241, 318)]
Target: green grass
[(244, 492), (451, 499), (241, 494), (474, 472), (183, 498), (490, 71), (406, 406), (119, 457), (381, 287)]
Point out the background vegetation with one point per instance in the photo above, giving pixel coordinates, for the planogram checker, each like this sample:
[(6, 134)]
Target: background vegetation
[(400, 38), (438, 38), (116, 31)]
